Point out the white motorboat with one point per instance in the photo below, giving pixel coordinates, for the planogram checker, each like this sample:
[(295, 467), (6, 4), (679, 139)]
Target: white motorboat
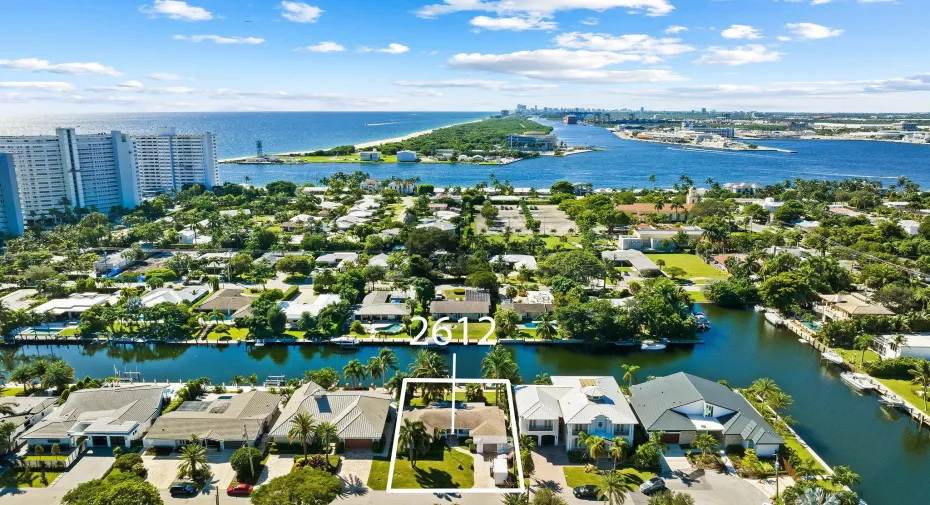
[(858, 381), (892, 401), (345, 341), (831, 356), (758, 308), (653, 345), (701, 322), (774, 318)]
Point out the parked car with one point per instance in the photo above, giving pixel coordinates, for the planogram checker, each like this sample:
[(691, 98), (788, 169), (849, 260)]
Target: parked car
[(652, 485), (240, 489), (184, 488), (589, 491)]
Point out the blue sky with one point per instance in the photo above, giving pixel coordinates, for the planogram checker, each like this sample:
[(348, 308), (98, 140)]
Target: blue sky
[(217, 55)]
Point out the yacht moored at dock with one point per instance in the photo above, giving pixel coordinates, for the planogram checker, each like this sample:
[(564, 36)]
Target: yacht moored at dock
[(774, 318), (831, 356), (654, 345), (858, 381)]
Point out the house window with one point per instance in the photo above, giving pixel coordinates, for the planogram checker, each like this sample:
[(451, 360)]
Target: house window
[(622, 429), (53, 441), (708, 410), (540, 426), (750, 444)]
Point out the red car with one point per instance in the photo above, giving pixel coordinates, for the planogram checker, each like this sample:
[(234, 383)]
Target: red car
[(239, 490)]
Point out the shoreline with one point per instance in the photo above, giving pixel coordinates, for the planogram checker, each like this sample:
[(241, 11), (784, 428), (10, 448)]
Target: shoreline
[(363, 145), (758, 148)]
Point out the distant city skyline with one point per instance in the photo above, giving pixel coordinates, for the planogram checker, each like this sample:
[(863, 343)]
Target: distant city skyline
[(211, 55)]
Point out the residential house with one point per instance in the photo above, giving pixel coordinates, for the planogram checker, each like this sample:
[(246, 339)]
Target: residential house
[(682, 405), (913, 345), (107, 417), (187, 295), (359, 416), (216, 261), (798, 252), (372, 155), (839, 307), (557, 414), (742, 188), (910, 226), (340, 260), (111, 263), (528, 311), (371, 184), (20, 299), (896, 205), (295, 310), (641, 210), (381, 306), (230, 302), (486, 426), (477, 304), (402, 187), (516, 261), (438, 224), (658, 238), (73, 306), (188, 236), (633, 258), (219, 421), (406, 156), (379, 260), (27, 411)]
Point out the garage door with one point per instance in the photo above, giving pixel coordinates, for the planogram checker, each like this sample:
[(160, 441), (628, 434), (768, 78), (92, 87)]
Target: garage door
[(548, 440), (115, 441), (358, 443), (99, 441), (670, 438)]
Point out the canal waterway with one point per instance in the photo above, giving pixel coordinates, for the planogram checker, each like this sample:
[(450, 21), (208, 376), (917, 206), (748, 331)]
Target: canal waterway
[(888, 451)]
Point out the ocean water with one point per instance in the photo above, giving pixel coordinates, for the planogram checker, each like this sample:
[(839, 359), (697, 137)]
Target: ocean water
[(621, 163), (236, 132)]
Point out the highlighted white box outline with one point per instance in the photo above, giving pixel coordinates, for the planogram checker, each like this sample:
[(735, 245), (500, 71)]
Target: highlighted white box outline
[(513, 428)]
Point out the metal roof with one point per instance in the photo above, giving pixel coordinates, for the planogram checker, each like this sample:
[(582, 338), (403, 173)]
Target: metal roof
[(356, 414)]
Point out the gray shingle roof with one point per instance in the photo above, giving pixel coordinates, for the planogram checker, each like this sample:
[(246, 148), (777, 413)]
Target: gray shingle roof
[(482, 421), (655, 400), (218, 419), (356, 414), (459, 307)]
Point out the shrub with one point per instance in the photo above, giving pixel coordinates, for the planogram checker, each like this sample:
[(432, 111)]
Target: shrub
[(240, 462), (376, 446), (126, 462), (470, 443), (357, 327), (290, 294), (896, 368), (576, 456)]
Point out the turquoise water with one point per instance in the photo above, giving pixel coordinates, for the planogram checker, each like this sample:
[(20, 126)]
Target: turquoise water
[(530, 325), (890, 453), (392, 328), (813, 326)]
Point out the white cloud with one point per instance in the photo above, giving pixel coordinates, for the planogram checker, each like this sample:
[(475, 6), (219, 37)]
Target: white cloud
[(820, 2), (54, 86), (392, 48), (783, 38), (590, 21), (513, 23), (37, 65), (164, 76), (335, 100), (176, 9), (919, 83), (475, 83), (651, 48), (562, 65), (300, 12), (323, 47), (741, 32), (736, 56), (131, 84), (811, 31), (219, 39), (650, 7), (676, 29), (423, 92)]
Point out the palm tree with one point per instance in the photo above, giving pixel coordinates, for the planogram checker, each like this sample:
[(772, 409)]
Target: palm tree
[(238, 379), (630, 374), (816, 495), (302, 429), (373, 369), (862, 343), (921, 373), (844, 476), (429, 365), (414, 437), (764, 388), (544, 328), (395, 384), (354, 372), (705, 442), (326, 434), (193, 456), (806, 467), (655, 438), (597, 447), (387, 358), (613, 487), (515, 499), (618, 449), (499, 364), (7, 410)]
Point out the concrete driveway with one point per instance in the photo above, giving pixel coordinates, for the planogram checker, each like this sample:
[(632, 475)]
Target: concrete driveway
[(276, 466), (91, 465), (354, 471), (162, 470)]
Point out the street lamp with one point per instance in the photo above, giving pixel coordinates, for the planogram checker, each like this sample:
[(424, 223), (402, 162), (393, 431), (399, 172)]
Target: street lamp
[(245, 440)]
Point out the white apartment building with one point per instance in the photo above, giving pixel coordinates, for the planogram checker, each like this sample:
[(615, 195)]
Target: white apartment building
[(98, 171), (167, 161)]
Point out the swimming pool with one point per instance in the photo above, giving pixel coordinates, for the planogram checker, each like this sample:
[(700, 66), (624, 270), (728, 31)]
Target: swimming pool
[(392, 328), (813, 326), (531, 325)]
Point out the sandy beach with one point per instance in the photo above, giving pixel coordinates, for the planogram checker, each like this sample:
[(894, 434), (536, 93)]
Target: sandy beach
[(363, 145)]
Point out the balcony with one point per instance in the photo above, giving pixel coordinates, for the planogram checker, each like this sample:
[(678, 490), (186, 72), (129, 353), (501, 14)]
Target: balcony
[(540, 427)]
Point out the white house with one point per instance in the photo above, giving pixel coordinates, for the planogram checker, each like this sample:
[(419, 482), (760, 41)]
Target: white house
[(910, 226), (406, 156), (372, 155), (339, 260), (914, 345), (190, 237), (294, 310), (110, 263), (107, 416), (187, 295), (486, 426), (682, 405), (404, 188), (74, 305), (897, 205), (27, 411), (516, 261), (556, 414)]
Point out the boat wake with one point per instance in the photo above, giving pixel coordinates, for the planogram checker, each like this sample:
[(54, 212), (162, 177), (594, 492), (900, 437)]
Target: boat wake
[(384, 124), (714, 151)]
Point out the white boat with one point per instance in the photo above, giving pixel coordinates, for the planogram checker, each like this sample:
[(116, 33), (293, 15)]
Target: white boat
[(857, 381), (344, 341), (774, 318), (831, 356), (892, 401), (758, 308), (701, 322), (653, 345)]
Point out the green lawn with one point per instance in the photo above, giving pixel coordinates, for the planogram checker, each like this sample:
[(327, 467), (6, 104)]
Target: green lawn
[(476, 331), (442, 468), (234, 333), (905, 389), (697, 296), (454, 294), (46, 457), (14, 479), (11, 392), (68, 332), (575, 476), (377, 479), (795, 446), (853, 355), (693, 265), (551, 241)]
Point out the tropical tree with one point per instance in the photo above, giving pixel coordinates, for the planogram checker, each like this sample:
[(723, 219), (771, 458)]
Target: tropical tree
[(613, 486), (844, 476), (544, 328), (618, 450), (7, 409), (387, 360), (863, 342), (597, 447), (429, 365), (354, 372), (921, 374), (705, 442), (193, 458), (816, 495), (303, 427), (630, 374), (764, 388), (326, 434), (499, 364), (396, 383), (373, 369), (415, 438), (237, 380)]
